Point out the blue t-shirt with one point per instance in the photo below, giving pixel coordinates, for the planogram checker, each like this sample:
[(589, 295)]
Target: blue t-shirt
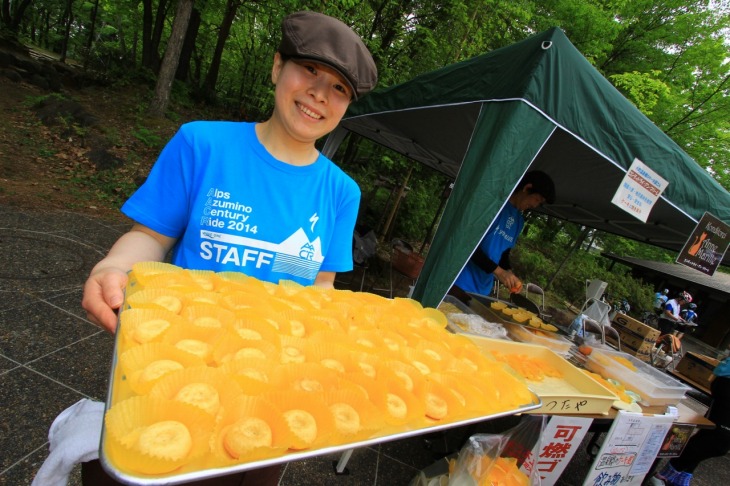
[(233, 207), (501, 236), (723, 369)]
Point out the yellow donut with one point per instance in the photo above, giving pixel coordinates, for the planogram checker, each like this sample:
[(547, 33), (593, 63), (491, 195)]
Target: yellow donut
[(158, 369), (347, 420), (168, 439), (201, 395), (396, 406), (302, 424), (195, 347), (436, 407), (247, 434), (149, 330)]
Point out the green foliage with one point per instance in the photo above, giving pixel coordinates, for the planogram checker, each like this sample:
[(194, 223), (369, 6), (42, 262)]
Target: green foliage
[(643, 89), (148, 137)]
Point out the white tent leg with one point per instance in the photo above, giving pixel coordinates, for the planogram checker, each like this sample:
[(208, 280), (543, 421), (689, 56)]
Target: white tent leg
[(342, 463)]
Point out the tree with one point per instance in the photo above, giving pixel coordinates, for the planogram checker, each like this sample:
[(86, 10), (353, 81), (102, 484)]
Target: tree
[(224, 31), (12, 13), (172, 56)]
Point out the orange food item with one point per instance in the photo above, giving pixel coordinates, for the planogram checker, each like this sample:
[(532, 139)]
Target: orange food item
[(516, 289), (586, 350)]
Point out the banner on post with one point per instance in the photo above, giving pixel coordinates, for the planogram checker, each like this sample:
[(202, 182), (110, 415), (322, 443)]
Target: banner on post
[(562, 437)]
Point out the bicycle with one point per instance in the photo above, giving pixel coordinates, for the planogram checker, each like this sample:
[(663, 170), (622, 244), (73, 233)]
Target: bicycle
[(650, 319)]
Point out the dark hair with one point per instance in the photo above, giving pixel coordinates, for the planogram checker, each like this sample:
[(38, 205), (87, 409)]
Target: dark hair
[(541, 184)]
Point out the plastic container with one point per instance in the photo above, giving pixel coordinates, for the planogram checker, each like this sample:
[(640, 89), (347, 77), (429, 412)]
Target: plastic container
[(655, 387), (575, 393), (551, 340)]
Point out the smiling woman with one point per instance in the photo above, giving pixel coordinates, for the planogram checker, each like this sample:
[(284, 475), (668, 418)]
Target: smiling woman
[(256, 198)]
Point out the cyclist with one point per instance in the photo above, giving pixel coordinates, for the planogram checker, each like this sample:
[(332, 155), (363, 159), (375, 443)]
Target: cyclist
[(689, 314), (670, 320), (660, 299)]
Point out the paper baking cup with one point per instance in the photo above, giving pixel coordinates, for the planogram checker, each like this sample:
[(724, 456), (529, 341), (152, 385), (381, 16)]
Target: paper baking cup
[(205, 279), (226, 388), (231, 346), (254, 376), (370, 420), (141, 326), (477, 398), (135, 361), (331, 356), (142, 272), (254, 328), (315, 407), (126, 421), (423, 362), (196, 340), (156, 298), (241, 301), (408, 375), (441, 404), (223, 453), (211, 317), (202, 297), (309, 377), (415, 410)]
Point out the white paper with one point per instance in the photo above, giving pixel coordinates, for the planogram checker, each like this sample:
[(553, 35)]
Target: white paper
[(639, 191)]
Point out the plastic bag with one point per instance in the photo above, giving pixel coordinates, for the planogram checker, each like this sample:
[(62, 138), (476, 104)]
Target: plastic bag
[(486, 459), (476, 324)]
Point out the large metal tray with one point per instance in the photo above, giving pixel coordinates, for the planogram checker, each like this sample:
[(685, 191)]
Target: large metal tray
[(287, 457)]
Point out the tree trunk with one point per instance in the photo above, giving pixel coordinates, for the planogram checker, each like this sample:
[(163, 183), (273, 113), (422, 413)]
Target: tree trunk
[(225, 29), (12, 14), (183, 67), (147, 51), (172, 56), (68, 20), (92, 28)]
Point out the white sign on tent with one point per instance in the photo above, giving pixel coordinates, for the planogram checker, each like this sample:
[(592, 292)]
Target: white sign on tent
[(639, 190)]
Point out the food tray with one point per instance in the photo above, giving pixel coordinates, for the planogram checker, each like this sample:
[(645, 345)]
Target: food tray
[(655, 387), (199, 474), (480, 305), (574, 393), (552, 340), (456, 327)]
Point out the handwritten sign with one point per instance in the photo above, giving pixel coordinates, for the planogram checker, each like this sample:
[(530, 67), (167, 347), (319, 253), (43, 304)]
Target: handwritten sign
[(706, 246), (639, 190), (561, 438), (629, 449)]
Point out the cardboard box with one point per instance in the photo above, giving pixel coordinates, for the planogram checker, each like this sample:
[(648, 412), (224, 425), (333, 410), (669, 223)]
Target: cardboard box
[(697, 367), (637, 327)]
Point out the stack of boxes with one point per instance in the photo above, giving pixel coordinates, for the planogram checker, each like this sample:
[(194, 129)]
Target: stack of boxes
[(637, 339), (698, 368)]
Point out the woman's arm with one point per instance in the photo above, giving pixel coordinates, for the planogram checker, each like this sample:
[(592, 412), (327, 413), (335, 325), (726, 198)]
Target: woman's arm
[(103, 291)]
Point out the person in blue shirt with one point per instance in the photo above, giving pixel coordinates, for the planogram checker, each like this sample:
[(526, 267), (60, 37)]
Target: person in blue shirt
[(689, 314), (256, 198), (706, 443), (660, 298), (491, 259)]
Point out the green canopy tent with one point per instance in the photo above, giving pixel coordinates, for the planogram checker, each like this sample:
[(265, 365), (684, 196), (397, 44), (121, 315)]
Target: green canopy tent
[(537, 104)]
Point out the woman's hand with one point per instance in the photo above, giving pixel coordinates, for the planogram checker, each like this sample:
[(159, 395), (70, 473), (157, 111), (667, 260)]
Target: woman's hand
[(103, 295), (104, 289), (508, 279)]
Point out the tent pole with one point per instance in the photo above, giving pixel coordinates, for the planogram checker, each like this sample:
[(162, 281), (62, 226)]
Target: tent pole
[(401, 193), (578, 242), (444, 197)]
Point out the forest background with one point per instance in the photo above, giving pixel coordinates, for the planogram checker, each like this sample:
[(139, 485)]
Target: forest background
[(144, 67)]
